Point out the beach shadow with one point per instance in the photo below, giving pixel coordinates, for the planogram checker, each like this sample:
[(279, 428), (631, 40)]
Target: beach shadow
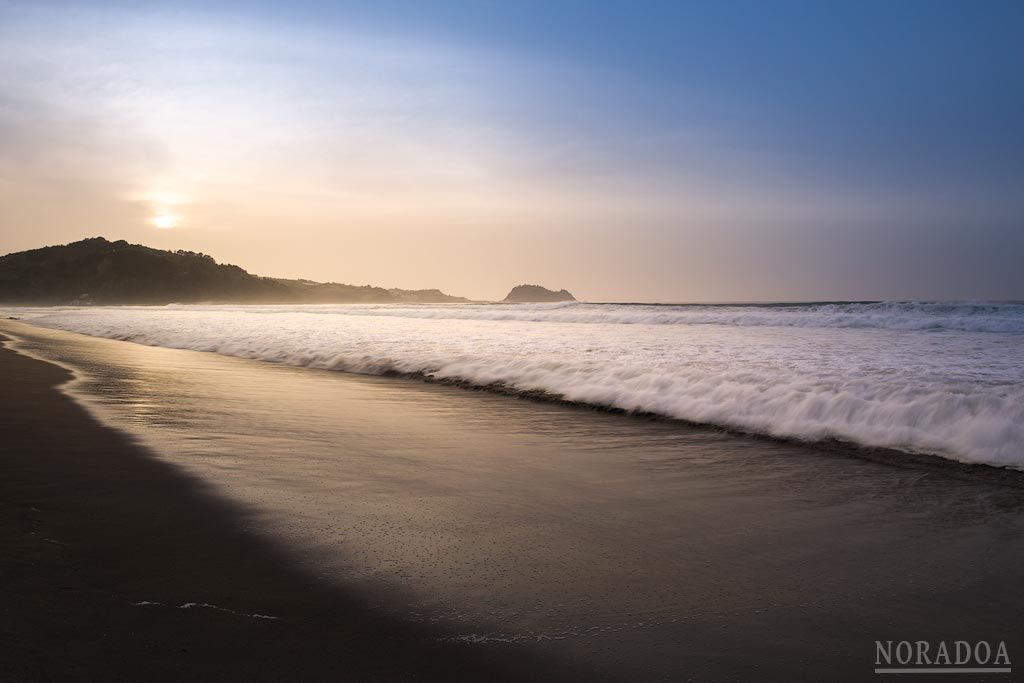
[(121, 567)]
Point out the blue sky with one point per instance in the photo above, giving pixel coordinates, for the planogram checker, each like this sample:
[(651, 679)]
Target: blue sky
[(654, 150)]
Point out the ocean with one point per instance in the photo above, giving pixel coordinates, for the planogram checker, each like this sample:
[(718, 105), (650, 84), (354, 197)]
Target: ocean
[(945, 379)]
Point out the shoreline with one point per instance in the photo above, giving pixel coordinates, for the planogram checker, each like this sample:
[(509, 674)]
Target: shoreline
[(119, 566), (1005, 474), (418, 532)]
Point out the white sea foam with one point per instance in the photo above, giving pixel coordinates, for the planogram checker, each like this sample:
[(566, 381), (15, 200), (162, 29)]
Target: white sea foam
[(205, 605), (946, 379)]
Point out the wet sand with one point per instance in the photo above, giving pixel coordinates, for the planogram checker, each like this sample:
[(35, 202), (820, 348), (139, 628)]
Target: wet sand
[(89, 520), (374, 516)]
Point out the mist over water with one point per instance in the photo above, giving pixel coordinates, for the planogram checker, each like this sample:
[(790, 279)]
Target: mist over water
[(940, 378)]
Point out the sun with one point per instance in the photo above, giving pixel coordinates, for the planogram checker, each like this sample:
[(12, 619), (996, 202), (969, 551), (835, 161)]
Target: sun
[(165, 221)]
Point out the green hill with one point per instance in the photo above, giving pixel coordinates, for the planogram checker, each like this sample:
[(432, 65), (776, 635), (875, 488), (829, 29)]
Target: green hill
[(97, 271)]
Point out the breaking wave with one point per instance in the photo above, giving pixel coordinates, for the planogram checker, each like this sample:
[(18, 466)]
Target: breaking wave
[(944, 379)]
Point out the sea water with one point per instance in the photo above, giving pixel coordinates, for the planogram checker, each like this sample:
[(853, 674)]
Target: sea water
[(939, 378)]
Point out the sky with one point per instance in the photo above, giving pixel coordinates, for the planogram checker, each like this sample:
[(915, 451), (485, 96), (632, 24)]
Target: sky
[(626, 151)]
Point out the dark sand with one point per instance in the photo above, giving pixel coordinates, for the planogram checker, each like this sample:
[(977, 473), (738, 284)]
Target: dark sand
[(88, 518), (372, 515)]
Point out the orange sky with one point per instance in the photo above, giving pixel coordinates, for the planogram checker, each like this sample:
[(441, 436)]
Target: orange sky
[(343, 153)]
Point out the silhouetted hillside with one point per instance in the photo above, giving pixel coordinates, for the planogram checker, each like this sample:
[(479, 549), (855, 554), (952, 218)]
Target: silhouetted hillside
[(96, 271), (536, 294)]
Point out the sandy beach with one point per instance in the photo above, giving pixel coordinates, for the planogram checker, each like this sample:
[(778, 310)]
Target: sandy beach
[(90, 519), (398, 530)]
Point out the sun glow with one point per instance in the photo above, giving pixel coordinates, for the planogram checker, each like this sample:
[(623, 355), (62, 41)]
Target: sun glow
[(165, 221), (164, 207)]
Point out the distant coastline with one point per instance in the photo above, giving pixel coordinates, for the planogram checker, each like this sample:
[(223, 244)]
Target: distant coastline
[(98, 271)]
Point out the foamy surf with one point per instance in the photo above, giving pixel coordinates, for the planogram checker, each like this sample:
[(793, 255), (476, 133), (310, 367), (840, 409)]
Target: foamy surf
[(944, 379)]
